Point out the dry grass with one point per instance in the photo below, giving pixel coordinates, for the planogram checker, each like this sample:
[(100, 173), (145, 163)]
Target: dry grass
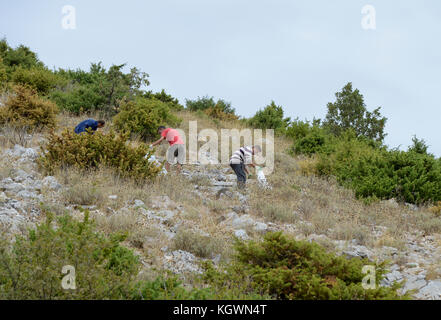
[(6, 169), (326, 208), (277, 212), (202, 246)]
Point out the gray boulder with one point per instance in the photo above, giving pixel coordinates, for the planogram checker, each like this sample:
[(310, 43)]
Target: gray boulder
[(260, 227), (241, 234), (180, 262), (432, 291), (51, 183), (9, 185), (242, 222)]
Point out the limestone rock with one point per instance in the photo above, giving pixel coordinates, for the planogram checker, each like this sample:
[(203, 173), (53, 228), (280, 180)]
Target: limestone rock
[(51, 183), (432, 291), (242, 222), (180, 261), (241, 234)]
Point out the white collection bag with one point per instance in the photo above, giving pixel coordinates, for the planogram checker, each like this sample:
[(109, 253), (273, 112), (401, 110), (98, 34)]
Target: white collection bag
[(261, 178), (156, 163)]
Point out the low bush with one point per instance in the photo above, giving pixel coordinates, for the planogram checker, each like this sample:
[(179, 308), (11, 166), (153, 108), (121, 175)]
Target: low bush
[(298, 129), (31, 267), (313, 142), (271, 117), (3, 74), (99, 89), (143, 117), (289, 269), (21, 56), (90, 151), (376, 172), (204, 103), (24, 108), (78, 99), (41, 79), (172, 102), (218, 113)]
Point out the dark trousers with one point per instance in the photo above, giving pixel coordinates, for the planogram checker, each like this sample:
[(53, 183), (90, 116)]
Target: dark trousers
[(239, 170)]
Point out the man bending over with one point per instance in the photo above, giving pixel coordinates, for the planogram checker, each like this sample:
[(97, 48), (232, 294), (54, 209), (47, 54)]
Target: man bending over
[(240, 160), (89, 123), (176, 149)]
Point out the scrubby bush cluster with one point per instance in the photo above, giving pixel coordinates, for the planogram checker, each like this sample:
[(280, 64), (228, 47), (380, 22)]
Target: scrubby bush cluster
[(287, 269), (172, 102), (278, 267), (88, 151), (143, 117), (38, 78), (217, 112), (204, 103), (371, 171), (348, 144), (25, 109), (99, 89), (20, 56), (271, 117), (31, 267)]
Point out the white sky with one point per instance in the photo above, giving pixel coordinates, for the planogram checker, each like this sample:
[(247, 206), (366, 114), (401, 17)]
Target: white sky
[(249, 52)]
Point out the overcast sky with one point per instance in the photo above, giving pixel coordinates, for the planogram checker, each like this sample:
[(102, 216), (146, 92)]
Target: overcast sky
[(249, 52)]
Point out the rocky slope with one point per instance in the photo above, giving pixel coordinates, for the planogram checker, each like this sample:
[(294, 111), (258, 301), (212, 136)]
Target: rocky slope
[(23, 188)]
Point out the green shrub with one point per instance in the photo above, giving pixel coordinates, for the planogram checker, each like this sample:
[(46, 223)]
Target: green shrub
[(144, 116), (370, 171), (217, 112), (172, 102), (3, 74), (298, 129), (89, 151), (271, 117), (20, 56), (31, 268), (206, 102), (314, 142), (289, 269), (24, 108), (41, 79), (99, 89), (78, 100)]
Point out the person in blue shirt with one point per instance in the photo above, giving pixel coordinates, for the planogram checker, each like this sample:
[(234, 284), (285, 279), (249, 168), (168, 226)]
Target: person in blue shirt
[(89, 123)]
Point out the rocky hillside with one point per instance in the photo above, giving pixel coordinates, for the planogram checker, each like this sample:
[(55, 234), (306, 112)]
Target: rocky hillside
[(178, 221)]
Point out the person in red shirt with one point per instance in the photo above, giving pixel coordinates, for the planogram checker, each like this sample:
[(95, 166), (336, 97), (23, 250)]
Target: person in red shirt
[(176, 149)]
